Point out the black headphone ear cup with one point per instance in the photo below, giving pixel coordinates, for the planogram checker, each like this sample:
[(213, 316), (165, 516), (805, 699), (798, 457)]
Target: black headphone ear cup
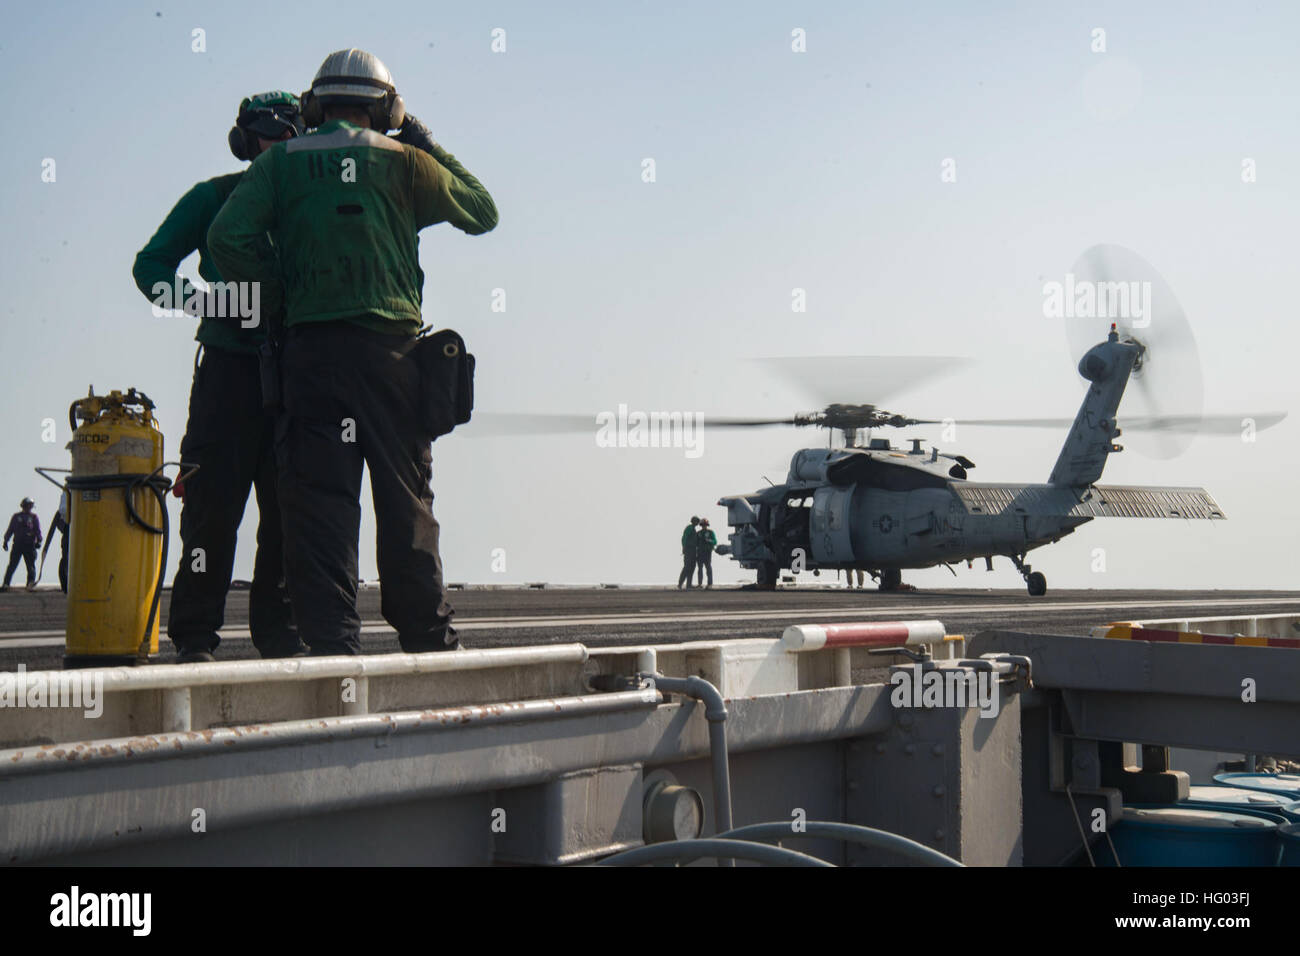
[(237, 144), (396, 112), (312, 115), (382, 111)]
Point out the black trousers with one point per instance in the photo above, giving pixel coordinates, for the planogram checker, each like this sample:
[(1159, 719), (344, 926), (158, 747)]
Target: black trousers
[(21, 552), (231, 439), (352, 398), (688, 569), (705, 563)]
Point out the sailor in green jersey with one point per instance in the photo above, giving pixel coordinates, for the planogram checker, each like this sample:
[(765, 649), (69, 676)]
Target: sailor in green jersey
[(705, 542), (344, 206), (689, 543), (229, 434)]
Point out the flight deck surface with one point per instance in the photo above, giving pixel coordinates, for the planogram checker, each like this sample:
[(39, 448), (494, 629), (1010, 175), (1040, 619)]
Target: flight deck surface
[(31, 624)]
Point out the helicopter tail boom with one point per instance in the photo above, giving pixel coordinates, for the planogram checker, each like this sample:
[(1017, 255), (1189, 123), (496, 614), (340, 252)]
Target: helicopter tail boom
[(1107, 368)]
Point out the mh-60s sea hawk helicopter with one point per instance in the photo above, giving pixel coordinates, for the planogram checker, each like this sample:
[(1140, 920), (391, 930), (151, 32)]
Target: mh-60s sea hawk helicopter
[(883, 510), (880, 509)]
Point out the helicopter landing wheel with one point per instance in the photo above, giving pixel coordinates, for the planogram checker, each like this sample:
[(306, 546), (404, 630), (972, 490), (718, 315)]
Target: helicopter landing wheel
[(890, 579), (1037, 583), (767, 575)]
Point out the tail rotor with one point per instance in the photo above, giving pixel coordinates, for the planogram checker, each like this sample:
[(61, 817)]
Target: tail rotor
[(1167, 389)]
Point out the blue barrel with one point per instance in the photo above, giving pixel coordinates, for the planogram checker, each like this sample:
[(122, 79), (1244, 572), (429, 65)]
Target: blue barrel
[(1274, 782), (1289, 835), (1239, 798), (1180, 835)]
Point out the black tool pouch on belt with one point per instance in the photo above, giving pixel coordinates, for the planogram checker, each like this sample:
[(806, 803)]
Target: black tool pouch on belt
[(268, 365), (446, 381)]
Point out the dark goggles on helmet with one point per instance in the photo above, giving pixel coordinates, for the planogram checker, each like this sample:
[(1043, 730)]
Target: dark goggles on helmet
[(270, 123)]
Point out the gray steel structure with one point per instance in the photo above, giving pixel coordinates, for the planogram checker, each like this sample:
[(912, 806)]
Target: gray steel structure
[(559, 755)]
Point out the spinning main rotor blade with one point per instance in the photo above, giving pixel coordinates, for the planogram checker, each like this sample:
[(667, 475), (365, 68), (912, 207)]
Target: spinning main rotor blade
[(828, 379), (491, 424), (820, 420), (1204, 424), (496, 424), (732, 422)]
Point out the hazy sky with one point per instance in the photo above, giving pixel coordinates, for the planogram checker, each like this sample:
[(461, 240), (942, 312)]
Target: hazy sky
[(774, 170)]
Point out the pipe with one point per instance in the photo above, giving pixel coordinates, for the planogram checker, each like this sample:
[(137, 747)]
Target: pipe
[(48, 758), (715, 712), (177, 711), (728, 850), (168, 676), (843, 667)]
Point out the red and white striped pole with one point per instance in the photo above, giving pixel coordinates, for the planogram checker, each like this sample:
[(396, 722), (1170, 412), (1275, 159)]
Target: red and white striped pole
[(814, 637)]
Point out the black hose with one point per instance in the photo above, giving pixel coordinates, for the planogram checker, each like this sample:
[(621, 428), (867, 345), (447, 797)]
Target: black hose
[(685, 851), (160, 493), (914, 852)]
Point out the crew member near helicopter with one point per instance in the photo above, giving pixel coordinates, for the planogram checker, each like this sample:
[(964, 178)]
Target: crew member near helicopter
[(229, 434), (344, 206), (59, 524), (25, 530), (706, 542), (688, 554)]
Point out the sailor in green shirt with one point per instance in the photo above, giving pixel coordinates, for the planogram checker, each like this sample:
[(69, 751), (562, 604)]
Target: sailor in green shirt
[(229, 434), (344, 206), (705, 542), (262, 120), (689, 542)]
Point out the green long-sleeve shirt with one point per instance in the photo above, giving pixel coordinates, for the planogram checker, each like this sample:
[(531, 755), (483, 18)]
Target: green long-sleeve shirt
[(705, 541), (689, 540), (346, 232), (183, 231)]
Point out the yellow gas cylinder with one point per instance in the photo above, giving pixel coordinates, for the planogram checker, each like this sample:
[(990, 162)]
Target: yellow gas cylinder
[(117, 525)]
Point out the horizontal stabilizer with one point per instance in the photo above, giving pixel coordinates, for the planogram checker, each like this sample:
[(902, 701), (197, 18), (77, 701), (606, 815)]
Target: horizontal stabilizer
[(1100, 501)]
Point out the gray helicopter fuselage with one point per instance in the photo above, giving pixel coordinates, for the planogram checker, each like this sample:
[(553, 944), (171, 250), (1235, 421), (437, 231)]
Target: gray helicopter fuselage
[(881, 508), (879, 528)]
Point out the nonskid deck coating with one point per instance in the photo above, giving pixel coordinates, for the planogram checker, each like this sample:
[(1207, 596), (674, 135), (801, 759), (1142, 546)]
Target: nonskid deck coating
[(31, 624)]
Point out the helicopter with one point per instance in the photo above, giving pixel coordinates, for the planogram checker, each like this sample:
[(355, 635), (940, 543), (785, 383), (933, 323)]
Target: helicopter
[(881, 509)]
